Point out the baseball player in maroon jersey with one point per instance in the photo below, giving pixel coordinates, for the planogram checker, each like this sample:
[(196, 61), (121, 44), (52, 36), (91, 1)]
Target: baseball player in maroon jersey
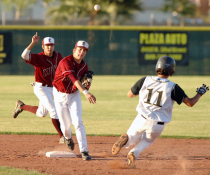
[(45, 64), (156, 99), (66, 90)]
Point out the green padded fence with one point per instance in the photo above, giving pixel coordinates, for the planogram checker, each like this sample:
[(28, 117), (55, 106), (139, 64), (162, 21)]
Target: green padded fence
[(113, 50)]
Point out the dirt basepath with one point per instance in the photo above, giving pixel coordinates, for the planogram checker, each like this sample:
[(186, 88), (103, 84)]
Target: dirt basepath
[(164, 157)]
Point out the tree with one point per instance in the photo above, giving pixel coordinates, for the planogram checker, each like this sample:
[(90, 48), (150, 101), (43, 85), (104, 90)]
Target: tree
[(46, 3), (112, 11), (120, 10), (20, 5), (184, 8)]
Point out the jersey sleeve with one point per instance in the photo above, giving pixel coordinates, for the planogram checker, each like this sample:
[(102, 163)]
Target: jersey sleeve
[(178, 94), (137, 86), (36, 60), (67, 69)]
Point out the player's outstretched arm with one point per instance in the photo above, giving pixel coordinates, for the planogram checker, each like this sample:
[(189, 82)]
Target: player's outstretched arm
[(26, 52), (200, 91), (87, 94), (35, 39), (130, 94), (192, 101)]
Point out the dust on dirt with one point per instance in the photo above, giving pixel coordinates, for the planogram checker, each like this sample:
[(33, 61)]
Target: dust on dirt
[(164, 156)]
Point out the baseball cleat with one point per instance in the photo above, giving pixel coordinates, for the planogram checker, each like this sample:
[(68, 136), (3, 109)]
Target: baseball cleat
[(131, 160), (18, 109), (61, 141), (69, 143), (119, 144), (85, 155)]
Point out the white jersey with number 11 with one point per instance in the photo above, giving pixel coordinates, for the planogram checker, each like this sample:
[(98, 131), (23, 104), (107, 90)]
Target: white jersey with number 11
[(155, 99)]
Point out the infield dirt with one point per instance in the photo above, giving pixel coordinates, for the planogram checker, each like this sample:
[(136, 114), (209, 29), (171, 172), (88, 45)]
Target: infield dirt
[(163, 157)]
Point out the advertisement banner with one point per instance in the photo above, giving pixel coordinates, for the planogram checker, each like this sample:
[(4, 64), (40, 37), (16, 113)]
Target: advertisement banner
[(5, 47), (154, 44)]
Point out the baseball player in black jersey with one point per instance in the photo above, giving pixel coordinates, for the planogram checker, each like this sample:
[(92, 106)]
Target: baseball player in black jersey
[(156, 98)]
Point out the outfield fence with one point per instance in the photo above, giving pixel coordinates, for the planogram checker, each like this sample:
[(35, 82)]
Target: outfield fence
[(116, 50)]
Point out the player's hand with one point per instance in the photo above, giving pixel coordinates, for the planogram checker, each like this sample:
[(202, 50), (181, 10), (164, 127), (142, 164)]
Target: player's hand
[(203, 89), (35, 38), (91, 98)]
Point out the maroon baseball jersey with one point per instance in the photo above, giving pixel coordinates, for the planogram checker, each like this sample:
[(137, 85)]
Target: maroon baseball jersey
[(45, 66), (67, 73)]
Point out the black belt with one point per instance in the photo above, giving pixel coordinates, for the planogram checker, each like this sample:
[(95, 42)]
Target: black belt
[(46, 85), (159, 123)]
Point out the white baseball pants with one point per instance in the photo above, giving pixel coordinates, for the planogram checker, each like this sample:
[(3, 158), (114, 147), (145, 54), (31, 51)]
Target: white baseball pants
[(69, 110), (145, 129), (46, 103)]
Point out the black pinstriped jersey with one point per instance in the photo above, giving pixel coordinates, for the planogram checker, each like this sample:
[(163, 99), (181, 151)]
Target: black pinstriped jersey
[(177, 93)]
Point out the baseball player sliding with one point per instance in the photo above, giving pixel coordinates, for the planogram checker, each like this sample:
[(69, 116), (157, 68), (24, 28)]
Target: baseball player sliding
[(45, 64), (66, 90), (156, 98)]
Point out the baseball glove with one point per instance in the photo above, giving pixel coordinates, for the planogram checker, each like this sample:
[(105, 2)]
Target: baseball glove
[(203, 89), (86, 80)]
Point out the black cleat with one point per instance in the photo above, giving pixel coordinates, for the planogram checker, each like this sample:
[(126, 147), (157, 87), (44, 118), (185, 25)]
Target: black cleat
[(18, 109), (85, 156), (69, 143)]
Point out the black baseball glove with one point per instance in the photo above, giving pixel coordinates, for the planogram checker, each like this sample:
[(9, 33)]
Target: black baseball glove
[(86, 80), (203, 89)]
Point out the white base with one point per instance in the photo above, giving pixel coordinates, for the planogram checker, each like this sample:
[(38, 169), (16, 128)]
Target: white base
[(60, 154)]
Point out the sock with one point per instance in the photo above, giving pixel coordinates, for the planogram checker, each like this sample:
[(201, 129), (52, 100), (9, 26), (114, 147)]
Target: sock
[(57, 125), (29, 108)]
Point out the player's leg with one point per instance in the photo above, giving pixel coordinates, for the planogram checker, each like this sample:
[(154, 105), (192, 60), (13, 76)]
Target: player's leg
[(20, 106), (61, 104), (42, 112), (29, 108), (65, 122), (45, 95), (152, 133), (64, 118), (133, 135), (75, 108)]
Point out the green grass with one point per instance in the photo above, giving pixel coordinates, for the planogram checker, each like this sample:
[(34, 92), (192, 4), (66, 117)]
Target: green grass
[(111, 115), (113, 112), (14, 171)]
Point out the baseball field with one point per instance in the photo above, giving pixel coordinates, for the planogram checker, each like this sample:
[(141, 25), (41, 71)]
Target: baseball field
[(183, 147)]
